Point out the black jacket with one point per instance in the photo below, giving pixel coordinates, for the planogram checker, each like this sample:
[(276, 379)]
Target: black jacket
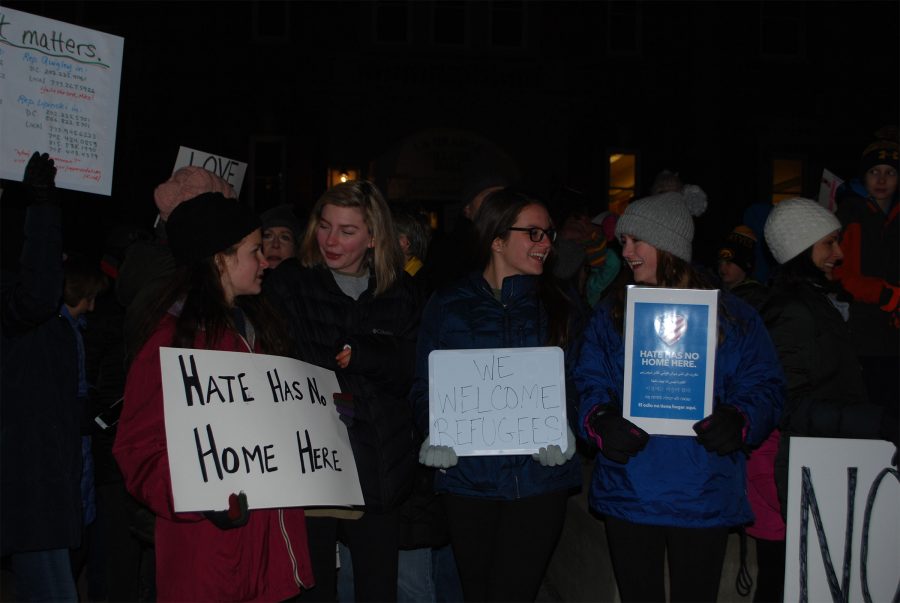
[(40, 415), (382, 332), (826, 397)]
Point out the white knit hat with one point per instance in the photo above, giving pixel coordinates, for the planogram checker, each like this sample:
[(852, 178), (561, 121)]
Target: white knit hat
[(665, 221), (795, 225)]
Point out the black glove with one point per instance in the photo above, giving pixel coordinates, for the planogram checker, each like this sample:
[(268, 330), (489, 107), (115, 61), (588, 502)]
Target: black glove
[(721, 432), (39, 179), (617, 438), (236, 516), (346, 407)]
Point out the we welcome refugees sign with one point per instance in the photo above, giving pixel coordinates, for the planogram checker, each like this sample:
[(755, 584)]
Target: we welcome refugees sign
[(265, 425), (497, 401)]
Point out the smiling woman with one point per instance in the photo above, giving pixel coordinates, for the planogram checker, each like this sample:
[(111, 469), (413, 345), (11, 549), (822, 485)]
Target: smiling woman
[(511, 301), (674, 497)]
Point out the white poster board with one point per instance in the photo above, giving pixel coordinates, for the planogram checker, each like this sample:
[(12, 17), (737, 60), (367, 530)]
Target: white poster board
[(670, 356), (828, 186), (258, 423), (59, 95), (872, 560), (229, 170), (497, 401)]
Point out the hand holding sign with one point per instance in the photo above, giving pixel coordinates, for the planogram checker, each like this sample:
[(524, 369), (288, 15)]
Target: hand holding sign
[(722, 432), (553, 456), (237, 515), (439, 457), (617, 438)]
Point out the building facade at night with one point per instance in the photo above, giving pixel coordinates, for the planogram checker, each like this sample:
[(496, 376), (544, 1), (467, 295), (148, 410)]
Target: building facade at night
[(746, 99)]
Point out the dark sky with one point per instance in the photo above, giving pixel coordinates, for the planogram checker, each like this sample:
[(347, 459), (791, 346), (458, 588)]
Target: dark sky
[(712, 89)]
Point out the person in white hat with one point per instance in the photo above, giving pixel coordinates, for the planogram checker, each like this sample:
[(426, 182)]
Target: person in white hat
[(807, 315), (674, 497)]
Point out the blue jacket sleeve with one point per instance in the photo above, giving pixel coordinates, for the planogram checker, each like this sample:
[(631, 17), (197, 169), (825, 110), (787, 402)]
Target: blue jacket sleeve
[(752, 378), (600, 367)]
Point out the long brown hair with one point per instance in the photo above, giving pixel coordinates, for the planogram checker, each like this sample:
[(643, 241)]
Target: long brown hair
[(673, 272), (197, 286), (497, 214)]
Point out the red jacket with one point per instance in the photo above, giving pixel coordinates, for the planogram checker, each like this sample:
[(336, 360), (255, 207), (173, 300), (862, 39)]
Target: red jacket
[(265, 560)]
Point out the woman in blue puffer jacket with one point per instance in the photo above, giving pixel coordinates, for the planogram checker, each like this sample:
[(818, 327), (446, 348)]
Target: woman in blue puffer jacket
[(505, 512), (675, 494)]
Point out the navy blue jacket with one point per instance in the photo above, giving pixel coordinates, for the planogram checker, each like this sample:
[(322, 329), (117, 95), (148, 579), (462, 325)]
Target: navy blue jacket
[(466, 315)]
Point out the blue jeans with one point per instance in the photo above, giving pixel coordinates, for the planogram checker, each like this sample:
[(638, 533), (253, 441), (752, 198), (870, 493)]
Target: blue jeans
[(44, 576), (415, 577), (427, 575)]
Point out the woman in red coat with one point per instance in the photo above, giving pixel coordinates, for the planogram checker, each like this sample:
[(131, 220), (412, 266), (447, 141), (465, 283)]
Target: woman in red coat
[(211, 303)]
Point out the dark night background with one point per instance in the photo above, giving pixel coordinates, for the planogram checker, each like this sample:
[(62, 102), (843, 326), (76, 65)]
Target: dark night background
[(413, 94)]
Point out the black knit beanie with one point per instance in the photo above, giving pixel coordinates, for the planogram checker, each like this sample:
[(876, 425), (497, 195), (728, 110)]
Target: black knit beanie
[(207, 224)]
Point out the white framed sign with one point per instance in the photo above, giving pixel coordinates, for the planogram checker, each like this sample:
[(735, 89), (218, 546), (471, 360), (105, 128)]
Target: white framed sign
[(262, 424), (670, 356), (843, 521), (497, 401), (231, 171), (59, 95)]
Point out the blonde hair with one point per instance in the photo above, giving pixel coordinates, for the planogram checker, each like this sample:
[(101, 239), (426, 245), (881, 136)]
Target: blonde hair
[(385, 259)]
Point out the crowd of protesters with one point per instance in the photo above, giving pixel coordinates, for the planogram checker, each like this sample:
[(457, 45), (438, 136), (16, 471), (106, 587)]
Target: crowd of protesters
[(367, 289)]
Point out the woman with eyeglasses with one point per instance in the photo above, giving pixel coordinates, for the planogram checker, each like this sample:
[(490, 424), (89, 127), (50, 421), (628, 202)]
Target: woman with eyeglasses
[(505, 513)]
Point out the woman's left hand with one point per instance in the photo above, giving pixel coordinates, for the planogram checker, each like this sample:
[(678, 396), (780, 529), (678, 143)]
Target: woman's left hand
[(343, 357)]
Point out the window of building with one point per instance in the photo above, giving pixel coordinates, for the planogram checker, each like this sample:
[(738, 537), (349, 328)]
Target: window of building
[(507, 24), (449, 22), (623, 27), (782, 33), (270, 21), (622, 180), (787, 179), (392, 21)]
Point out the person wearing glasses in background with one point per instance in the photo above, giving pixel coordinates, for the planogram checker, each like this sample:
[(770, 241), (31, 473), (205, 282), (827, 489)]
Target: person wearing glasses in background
[(505, 513)]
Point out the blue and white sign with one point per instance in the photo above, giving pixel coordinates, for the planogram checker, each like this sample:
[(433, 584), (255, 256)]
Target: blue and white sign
[(670, 352)]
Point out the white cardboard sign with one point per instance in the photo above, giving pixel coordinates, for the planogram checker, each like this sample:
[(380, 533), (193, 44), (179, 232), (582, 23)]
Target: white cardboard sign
[(229, 170), (670, 357), (497, 401), (850, 488), (59, 95), (828, 186), (258, 423)]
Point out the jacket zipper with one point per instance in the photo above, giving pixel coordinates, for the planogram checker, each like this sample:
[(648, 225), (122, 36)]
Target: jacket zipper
[(290, 550)]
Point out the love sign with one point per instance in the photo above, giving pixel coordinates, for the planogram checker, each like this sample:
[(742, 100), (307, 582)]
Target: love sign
[(229, 170)]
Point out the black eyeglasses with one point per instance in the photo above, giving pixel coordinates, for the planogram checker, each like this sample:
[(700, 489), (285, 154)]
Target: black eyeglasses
[(536, 234)]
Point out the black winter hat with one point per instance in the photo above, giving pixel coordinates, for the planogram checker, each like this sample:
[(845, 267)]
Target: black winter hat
[(738, 248), (880, 152), (207, 224)]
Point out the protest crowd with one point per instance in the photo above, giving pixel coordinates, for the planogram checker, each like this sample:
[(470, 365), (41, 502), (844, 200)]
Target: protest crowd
[(365, 288)]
